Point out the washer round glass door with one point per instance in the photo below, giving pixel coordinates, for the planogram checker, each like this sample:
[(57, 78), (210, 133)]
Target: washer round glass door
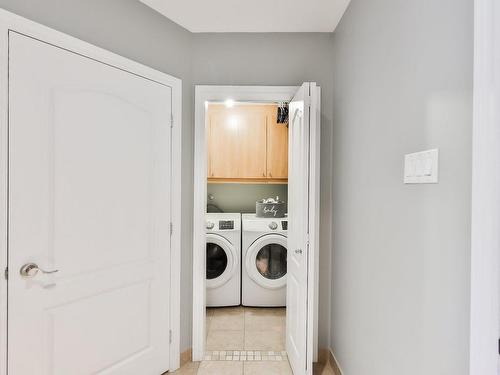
[(266, 261), (221, 260)]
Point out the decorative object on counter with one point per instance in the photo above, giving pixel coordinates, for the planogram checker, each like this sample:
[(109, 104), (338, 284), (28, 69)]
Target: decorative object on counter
[(282, 113), (270, 207)]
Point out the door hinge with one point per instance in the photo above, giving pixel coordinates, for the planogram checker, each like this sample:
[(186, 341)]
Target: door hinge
[(171, 120), (171, 229), (6, 273), (170, 336)]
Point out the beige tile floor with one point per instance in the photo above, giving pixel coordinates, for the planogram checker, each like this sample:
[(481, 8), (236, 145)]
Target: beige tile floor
[(245, 329), (245, 368)]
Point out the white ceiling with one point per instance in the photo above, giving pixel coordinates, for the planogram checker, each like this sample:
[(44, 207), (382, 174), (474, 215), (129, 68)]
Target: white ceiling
[(252, 15)]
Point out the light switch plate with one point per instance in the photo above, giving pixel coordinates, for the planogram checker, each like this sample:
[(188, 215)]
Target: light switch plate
[(422, 167)]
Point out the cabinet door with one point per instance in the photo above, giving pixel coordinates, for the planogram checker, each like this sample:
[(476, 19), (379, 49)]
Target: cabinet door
[(252, 126), (223, 144), (277, 147)]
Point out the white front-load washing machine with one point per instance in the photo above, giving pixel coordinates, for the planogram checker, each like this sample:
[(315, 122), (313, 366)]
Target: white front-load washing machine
[(223, 246), (264, 253)]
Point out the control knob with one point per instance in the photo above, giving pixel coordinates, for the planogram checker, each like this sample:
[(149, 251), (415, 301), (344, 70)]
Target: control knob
[(273, 225)]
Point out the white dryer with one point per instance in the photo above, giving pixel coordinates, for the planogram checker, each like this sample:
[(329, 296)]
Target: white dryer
[(223, 249), (264, 257)]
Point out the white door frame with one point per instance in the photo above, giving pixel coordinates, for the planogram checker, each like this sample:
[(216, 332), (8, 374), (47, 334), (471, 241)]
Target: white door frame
[(10, 21), (204, 94), (485, 236)]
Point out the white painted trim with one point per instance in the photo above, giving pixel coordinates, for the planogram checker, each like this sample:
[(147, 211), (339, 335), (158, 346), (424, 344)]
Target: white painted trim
[(485, 236), (314, 222), (219, 94), (175, 242), (4, 139), (10, 21), (258, 94)]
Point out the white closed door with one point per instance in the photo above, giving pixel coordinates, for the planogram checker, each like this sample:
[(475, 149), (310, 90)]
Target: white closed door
[(89, 196), (302, 211)]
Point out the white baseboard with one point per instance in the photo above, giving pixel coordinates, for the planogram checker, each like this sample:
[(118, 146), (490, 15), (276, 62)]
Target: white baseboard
[(335, 364)]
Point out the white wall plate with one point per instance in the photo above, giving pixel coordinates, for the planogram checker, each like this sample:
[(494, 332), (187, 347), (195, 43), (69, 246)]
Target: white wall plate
[(421, 167)]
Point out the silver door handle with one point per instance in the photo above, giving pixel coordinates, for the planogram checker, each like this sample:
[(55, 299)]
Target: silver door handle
[(298, 251), (30, 270)]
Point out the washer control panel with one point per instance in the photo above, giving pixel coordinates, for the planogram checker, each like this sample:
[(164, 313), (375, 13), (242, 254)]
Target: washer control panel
[(252, 223), (222, 225), (284, 224), (222, 222), (273, 225), (226, 224)]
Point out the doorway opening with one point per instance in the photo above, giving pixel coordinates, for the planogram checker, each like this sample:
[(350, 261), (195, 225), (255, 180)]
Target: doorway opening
[(246, 224), (244, 270)]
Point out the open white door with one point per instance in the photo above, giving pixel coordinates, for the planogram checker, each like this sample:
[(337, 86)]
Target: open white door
[(303, 213), (89, 197)]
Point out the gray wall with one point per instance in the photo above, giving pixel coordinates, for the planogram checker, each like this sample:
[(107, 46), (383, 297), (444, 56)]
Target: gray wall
[(402, 83), (133, 30), (403, 73), (242, 197), (280, 59)]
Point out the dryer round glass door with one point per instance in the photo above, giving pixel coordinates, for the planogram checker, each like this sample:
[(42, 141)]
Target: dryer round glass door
[(271, 261), (266, 261), (221, 260), (216, 261)]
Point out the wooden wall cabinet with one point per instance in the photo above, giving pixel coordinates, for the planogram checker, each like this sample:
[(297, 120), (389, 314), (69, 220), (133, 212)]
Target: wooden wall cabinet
[(277, 149), (246, 145)]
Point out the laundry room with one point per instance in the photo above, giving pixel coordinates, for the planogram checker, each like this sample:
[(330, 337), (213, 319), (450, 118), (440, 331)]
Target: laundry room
[(246, 230)]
